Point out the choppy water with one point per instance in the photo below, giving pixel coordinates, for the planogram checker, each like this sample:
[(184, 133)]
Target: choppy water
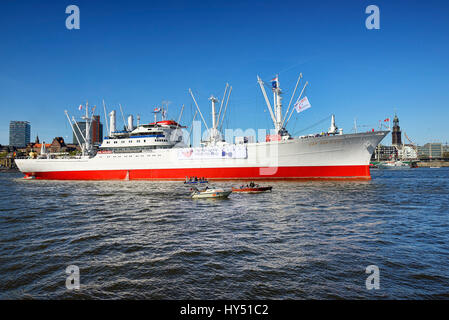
[(146, 240)]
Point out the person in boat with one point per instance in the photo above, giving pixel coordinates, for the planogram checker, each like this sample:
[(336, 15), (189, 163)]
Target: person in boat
[(251, 184)]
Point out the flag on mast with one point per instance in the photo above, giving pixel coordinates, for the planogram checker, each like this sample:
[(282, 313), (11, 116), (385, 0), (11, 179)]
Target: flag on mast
[(274, 82), (156, 110), (302, 105), (80, 107)]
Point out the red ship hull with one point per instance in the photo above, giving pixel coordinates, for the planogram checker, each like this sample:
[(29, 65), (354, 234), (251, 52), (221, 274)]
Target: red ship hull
[(356, 172)]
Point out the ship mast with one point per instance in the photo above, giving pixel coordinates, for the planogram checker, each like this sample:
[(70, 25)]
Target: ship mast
[(276, 116), (213, 132), (279, 121), (277, 102), (86, 117), (88, 120)]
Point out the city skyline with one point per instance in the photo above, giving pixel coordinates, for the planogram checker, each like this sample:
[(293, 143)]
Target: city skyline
[(139, 54)]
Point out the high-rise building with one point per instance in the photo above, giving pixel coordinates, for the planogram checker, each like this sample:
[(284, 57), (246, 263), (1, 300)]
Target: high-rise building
[(396, 134), (19, 133), (96, 131)]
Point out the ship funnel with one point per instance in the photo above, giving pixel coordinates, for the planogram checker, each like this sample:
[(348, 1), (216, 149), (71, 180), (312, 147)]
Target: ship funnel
[(112, 122), (333, 129), (130, 123)]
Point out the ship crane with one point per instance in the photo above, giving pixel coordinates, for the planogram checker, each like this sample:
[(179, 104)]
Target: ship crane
[(409, 140), (279, 120), (217, 123)]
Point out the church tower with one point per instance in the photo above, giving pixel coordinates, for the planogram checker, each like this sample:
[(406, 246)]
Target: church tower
[(396, 134)]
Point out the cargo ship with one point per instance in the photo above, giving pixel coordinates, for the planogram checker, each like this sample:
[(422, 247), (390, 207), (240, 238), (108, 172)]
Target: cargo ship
[(156, 151)]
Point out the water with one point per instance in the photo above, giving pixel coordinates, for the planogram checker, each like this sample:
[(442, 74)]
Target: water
[(147, 240)]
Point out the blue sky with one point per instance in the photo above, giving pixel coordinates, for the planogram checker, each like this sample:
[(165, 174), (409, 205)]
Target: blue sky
[(139, 53)]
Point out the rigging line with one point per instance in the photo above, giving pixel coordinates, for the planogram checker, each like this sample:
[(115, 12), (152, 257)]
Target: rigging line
[(313, 125)]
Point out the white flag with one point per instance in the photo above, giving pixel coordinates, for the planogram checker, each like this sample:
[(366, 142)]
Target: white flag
[(302, 105)]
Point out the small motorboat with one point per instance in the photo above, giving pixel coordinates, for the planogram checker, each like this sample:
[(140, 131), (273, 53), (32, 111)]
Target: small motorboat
[(210, 193), (252, 188), (393, 165)]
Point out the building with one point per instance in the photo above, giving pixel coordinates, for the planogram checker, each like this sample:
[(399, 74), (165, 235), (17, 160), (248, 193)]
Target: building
[(396, 134), (96, 131), (446, 151), (36, 146), (58, 145), (431, 151), (19, 133), (382, 153), (408, 152)]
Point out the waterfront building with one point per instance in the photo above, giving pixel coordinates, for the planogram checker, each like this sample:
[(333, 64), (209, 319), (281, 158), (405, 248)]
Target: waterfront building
[(96, 131), (19, 133), (445, 150), (431, 151), (382, 153), (408, 152)]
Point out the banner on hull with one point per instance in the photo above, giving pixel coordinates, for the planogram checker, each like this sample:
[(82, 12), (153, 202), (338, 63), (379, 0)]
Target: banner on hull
[(225, 152)]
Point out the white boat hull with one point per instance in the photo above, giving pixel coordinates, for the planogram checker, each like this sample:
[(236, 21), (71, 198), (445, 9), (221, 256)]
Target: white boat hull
[(325, 157)]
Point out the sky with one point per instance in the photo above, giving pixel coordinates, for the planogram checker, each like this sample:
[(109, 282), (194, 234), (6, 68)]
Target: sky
[(140, 53)]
